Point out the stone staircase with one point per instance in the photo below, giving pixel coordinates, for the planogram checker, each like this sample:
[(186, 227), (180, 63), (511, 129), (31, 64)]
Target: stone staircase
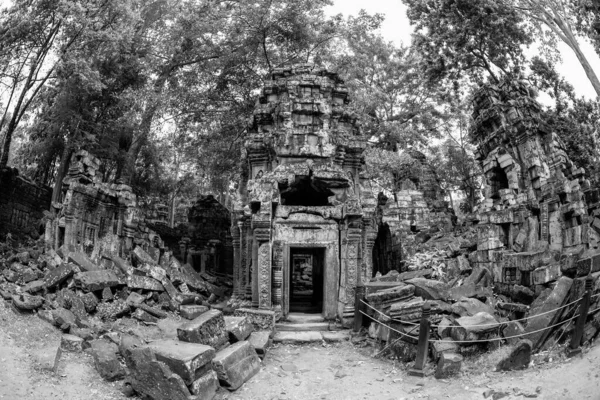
[(307, 328)]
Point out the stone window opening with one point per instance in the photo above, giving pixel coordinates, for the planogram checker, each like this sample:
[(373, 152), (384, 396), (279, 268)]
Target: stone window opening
[(498, 181), (305, 191), (505, 234)]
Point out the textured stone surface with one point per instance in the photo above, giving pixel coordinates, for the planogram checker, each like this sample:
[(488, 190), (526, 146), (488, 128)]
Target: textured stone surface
[(63, 318), (236, 364), (48, 358), (206, 386), (519, 357), (58, 275), (191, 311), (96, 280), (208, 329), (474, 327), (261, 320), (448, 365), (188, 360), (71, 343), (105, 360), (438, 348), (82, 261), (261, 341), (144, 282), (238, 328)]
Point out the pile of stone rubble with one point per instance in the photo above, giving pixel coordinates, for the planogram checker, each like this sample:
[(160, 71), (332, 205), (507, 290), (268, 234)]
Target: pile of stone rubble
[(84, 298), (468, 316)]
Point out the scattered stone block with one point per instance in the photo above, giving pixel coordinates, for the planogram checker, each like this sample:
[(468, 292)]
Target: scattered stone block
[(90, 301), (154, 379), (444, 327), (78, 308), (398, 292), (64, 318), (189, 360), (439, 348), (428, 289), (236, 364), (469, 307), (448, 365), (139, 256), (261, 341), (518, 358), (96, 280), (513, 307), (404, 351), (261, 320), (34, 286), (238, 328), (122, 265), (84, 333), (474, 327), (144, 282), (46, 315), (105, 360), (82, 261), (113, 310), (152, 310), (58, 275), (206, 386), (25, 302), (143, 316), (543, 275), (191, 311), (467, 291), (48, 358), (135, 298), (208, 329), (71, 343)]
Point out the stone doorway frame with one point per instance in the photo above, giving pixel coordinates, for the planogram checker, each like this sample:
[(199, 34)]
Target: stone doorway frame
[(331, 272)]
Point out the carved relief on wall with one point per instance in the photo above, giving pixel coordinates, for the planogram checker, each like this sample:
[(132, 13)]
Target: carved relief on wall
[(264, 276)]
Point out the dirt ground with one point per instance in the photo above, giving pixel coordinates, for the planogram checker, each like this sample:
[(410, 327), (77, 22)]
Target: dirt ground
[(307, 372)]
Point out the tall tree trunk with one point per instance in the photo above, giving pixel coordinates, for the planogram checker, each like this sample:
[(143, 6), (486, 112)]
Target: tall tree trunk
[(589, 71)]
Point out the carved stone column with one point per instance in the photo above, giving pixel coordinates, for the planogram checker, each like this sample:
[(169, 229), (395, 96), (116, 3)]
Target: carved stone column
[(263, 270), (351, 268), (237, 268), (278, 275), (367, 259)]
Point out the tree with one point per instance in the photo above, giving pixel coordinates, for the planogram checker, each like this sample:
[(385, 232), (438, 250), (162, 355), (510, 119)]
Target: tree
[(468, 38)]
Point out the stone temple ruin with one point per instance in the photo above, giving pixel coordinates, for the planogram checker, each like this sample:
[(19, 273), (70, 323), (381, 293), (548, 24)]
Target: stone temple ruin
[(304, 200)]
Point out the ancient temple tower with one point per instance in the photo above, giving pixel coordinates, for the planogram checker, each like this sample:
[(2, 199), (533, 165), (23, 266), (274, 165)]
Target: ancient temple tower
[(303, 233), (538, 204)]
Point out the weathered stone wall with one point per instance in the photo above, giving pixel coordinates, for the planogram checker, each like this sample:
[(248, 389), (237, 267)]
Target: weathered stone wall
[(538, 208), (22, 205)]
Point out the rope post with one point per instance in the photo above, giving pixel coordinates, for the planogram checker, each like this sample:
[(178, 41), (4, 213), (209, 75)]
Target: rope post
[(423, 346), (359, 298), (584, 306)]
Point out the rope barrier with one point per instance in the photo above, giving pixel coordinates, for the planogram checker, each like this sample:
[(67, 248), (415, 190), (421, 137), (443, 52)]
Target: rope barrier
[(596, 295), (482, 325), (392, 329)]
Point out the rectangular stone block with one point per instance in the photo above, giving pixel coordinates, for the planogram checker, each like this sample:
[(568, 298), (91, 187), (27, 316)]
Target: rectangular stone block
[(83, 262), (58, 275), (139, 256), (188, 360), (261, 341), (144, 282), (191, 311), (206, 386), (236, 364), (208, 329), (546, 274), (238, 328), (261, 320), (96, 280)]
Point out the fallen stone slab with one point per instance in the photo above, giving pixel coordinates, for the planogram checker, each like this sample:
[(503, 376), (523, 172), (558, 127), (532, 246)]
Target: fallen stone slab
[(83, 261), (441, 347), (84, 333), (122, 265), (143, 316), (478, 291), (546, 274), (238, 328), (518, 357), (474, 327), (206, 386), (25, 302), (71, 343), (90, 301), (191, 311), (58, 275), (261, 341), (135, 298), (261, 320), (144, 282), (236, 364), (553, 301), (106, 361), (153, 378), (189, 360), (152, 310), (96, 280), (289, 337), (64, 318), (449, 365), (469, 307), (112, 310), (428, 289), (513, 307), (46, 315), (48, 358), (34, 286), (139, 256), (208, 329), (422, 273), (399, 292)]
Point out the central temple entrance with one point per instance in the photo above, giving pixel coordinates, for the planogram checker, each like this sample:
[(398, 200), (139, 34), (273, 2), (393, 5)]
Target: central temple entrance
[(306, 279)]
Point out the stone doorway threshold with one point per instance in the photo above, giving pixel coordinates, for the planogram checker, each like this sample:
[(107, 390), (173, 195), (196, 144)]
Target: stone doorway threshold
[(306, 328)]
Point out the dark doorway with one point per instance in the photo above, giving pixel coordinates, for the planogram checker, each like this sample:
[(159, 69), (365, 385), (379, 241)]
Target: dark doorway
[(385, 258), (306, 279)]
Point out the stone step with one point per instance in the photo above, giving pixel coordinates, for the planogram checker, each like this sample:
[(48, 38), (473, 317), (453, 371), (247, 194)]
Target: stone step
[(302, 327), (301, 318), (310, 337)]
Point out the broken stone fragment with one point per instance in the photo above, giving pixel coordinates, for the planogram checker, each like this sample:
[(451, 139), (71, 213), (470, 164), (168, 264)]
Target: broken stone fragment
[(143, 316), (83, 262), (518, 357), (25, 302), (64, 318), (48, 357), (84, 333), (191, 311), (428, 289), (404, 351), (106, 361), (113, 310), (139, 256), (154, 379), (34, 286), (189, 360), (78, 308), (261, 341), (96, 280), (238, 328), (399, 292), (206, 386), (444, 327), (236, 364), (469, 307), (208, 329), (469, 290), (58, 275), (449, 365), (440, 347), (135, 298), (46, 315), (144, 282), (513, 307), (122, 265), (474, 327), (71, 343), (152, 310), (261, 320)]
